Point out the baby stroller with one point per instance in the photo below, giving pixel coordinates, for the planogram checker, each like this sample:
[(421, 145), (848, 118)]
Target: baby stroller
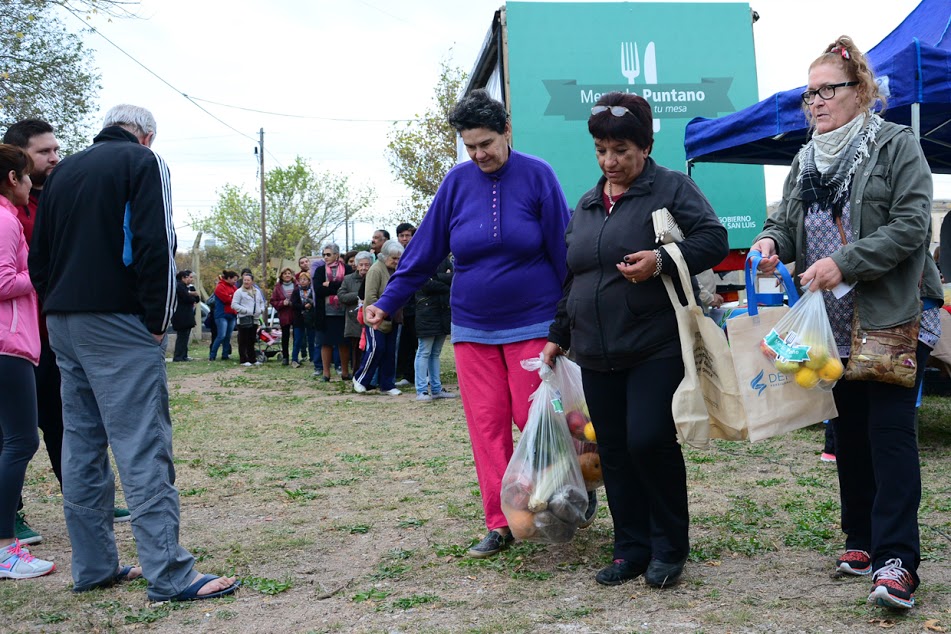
[(268, 344)]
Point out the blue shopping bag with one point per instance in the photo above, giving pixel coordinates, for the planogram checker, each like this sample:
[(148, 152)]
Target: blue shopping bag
[(757, 299)]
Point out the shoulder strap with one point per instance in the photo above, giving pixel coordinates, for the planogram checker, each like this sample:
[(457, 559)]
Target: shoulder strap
[(673, 250), (838, 224)]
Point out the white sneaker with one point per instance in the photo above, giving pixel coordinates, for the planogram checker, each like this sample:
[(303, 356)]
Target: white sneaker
[(358, 387), (246, 364), (393, 392), (17, 563), (446, 395), (402, 383), (258, 363), (423, 397)]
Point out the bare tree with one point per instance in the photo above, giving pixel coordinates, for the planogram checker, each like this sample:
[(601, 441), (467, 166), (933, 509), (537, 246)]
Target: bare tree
[(422, 151)]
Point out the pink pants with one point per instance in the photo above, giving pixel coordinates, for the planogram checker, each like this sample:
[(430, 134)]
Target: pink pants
[(495, 391)]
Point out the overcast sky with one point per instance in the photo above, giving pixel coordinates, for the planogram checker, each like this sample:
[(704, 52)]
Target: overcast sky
[(350, 66)]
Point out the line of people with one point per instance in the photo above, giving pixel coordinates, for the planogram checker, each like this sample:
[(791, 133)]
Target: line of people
[(319, 309)]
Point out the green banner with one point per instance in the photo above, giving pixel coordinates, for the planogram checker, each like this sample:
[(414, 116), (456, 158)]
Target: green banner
[(686, 59), (708, 98)]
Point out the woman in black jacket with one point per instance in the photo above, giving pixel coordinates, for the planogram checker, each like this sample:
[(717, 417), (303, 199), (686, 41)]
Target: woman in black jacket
[(433, 325), (617, 319), (183, 320)]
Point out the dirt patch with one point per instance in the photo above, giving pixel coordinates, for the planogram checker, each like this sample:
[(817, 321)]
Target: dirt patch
[(351, 513)]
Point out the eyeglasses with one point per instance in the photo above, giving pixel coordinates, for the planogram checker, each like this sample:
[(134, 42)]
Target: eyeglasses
[(328, 255), (826, 92), (617, 111)]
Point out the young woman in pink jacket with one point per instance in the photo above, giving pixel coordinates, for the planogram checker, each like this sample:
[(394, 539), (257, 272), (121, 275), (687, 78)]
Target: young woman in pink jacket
[(19, 351)]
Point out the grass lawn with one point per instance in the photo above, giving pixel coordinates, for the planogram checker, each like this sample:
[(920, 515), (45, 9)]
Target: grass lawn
[(352, 513)]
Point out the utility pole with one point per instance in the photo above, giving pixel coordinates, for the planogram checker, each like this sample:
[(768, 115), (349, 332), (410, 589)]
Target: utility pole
[(346, 230), (263, 211)]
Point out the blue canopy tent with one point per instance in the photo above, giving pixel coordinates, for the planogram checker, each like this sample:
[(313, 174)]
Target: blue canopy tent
[(913, 64)]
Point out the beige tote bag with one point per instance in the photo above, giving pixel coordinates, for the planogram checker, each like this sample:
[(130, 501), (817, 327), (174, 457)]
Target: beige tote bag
[(774, 403), (707, 403)]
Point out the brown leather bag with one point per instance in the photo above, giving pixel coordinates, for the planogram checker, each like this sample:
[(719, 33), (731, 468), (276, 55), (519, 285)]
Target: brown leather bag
[(887, 355)]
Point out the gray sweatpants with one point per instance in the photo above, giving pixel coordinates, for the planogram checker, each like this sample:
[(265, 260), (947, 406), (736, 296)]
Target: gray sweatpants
[(115, 394)]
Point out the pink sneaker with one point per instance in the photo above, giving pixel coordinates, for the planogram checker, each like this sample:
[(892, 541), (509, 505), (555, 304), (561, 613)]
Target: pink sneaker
[(827, 457)]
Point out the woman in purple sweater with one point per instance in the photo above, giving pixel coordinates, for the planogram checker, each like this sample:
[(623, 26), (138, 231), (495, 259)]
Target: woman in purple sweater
[(503, 217)]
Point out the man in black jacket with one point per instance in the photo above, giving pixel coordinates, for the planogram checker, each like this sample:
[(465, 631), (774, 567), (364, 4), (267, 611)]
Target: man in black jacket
[(107, 211)]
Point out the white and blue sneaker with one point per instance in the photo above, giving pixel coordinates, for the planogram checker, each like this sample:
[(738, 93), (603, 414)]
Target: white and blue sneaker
[(17, 563)]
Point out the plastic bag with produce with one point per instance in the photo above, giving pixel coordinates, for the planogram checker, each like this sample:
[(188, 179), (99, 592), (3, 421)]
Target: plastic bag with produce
[(543, 493), (802, 345)]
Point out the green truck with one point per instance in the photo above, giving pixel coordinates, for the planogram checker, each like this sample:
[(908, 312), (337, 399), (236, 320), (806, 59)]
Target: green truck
[(550, 61)]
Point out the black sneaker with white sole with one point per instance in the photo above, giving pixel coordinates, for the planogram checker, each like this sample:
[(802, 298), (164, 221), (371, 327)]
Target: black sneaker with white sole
[(893, 586)]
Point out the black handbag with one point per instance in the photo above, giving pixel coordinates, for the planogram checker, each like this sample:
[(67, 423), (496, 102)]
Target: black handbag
[(245, 321)]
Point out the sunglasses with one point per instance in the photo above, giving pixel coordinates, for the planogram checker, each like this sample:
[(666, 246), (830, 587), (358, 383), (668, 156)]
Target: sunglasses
[(617, 111), (826, 92), (327, 255)]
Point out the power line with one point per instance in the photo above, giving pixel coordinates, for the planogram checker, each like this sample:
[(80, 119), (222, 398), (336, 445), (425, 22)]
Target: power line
[(157, 76), (195, 138), (164, 81), (395, 17), (299, 116)]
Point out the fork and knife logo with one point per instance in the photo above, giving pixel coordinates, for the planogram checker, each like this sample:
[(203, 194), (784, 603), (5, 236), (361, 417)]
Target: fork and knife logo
[(631, 67)]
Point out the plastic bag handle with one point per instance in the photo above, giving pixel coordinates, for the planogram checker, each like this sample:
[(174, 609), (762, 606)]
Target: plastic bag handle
[(536, 364), (752, 263)]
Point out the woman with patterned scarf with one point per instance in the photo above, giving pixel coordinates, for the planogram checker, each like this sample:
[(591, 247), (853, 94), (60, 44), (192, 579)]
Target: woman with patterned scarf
[(856, 211), (327, 281)]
